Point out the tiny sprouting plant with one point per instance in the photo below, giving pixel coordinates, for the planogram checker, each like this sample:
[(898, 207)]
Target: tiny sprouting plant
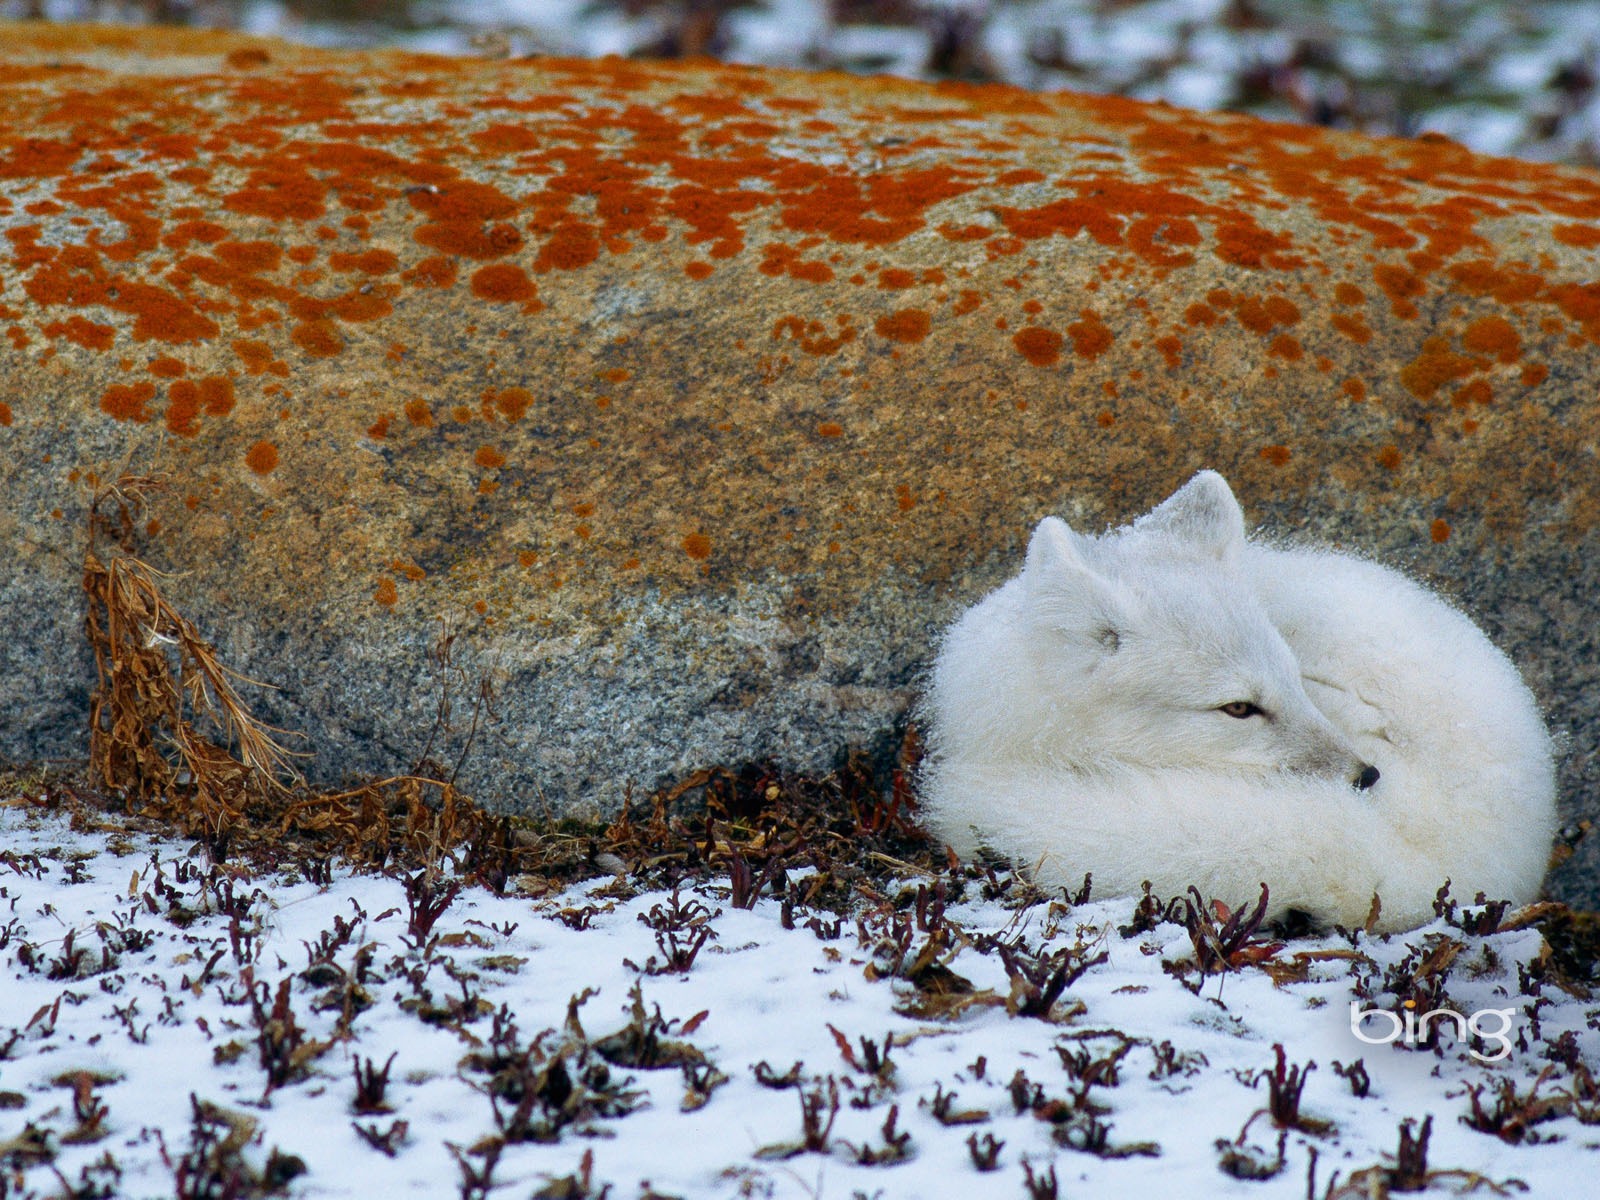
[(371, 1082), (985, 1151)]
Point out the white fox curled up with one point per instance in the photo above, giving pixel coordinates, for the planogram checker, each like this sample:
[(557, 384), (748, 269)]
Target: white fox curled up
[(1177, 702)]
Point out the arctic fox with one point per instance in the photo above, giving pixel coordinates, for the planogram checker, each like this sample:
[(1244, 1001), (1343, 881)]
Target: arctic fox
[(1177, 703)]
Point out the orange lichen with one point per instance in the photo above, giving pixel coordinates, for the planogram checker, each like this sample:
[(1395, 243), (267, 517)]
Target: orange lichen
[(512, 403), (1389, 458), (1286, 346), (5, 413), (489, 458), (1436, 366), (89, 334), (1494, 336), (1278, 456), (318, 338), (419, 414), (1439, 531), (904, 325), (1041, 347), (1585, 237), (1401, 286), (697, 546), (830, 429), (503, 283), (436, 271), (386, 593), (1090, 336), (126, 401), (262, 458), (1353, 326)]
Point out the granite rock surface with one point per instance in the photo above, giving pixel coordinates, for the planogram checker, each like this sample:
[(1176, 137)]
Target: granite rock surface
[(691, 400)]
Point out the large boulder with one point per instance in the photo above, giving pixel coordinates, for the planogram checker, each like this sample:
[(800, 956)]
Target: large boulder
[(693, 399)]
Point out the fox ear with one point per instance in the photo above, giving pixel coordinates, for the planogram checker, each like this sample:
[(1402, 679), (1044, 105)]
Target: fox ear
[(1203, 512), (1065, 593)]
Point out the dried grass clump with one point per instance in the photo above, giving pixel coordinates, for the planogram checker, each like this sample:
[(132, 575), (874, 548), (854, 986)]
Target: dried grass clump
[(168, 730)]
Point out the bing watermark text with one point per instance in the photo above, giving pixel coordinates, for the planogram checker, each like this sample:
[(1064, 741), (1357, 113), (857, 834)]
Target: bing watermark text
[(1490, 1025)]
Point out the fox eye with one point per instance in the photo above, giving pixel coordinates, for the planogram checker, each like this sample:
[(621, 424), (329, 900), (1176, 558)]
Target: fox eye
[(1240, 709)]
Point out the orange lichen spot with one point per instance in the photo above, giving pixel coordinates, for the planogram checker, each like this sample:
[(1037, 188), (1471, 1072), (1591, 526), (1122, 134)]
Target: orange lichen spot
[(697, 269), (830, 429), (1534, 374), (419, 414), (488, 458), (1278, 456), (262, 458), (904, 325), (903, 498), (1154, 238), (461, 414), (126, 401), (526, 558), (1436, 366), (1353, 326), (318, 338), (512, 402), (503, 283), (571, 245), (480, 607), (5, 413), (1349, 295), (1439, 530), (616, 374), (379, 429), (968, 301), (1585, 237), (1389, 458), (1287, 347), (435, 271), (88, 334), (1105, 418), (1495, 336), (812, 336), (183, 408), (368, 262), (386, 593), (467, 218), (894, 279), (1171, 349), (1474, 391), (1041, 347), (1263, 315), (1401, 286), (1090, 336), (584, 532), (697, 546), (779, 259), (1198, 314)]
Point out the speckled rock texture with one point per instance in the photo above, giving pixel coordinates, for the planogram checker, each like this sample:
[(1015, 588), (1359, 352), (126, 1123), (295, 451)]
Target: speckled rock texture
[(693, 399)]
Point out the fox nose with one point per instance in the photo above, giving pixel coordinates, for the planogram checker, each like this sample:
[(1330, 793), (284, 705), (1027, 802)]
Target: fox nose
[(1368, 777)]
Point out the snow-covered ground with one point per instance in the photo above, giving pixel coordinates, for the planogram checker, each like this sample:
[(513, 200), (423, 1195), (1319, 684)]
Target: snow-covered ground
[(167, 1028)]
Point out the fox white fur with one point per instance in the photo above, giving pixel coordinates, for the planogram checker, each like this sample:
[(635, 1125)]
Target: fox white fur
[(1078, 721)]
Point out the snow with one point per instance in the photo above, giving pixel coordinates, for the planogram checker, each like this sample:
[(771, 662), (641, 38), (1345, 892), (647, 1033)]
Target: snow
[(168, 1016)]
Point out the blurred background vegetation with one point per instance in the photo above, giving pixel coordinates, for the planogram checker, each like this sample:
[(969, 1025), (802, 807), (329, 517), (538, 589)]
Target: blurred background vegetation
[(1504, 78)]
